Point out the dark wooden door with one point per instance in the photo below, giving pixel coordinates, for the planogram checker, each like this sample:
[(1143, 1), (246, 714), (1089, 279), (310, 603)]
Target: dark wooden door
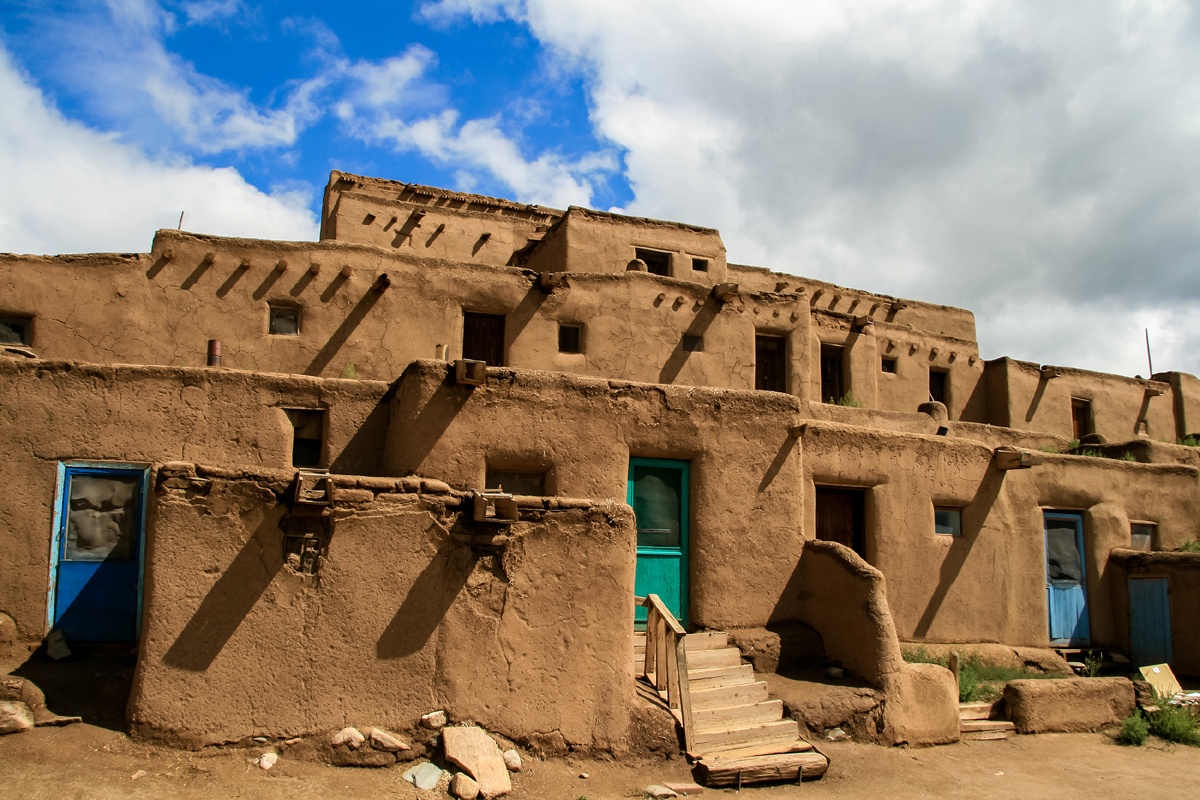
[(483, 337), (841, 517), (832, 385), (770, 363)]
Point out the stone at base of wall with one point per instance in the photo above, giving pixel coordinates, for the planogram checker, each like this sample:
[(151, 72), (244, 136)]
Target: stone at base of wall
[(921, 706), (1069, 705)]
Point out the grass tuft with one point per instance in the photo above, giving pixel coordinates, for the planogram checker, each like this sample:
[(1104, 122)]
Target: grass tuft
[(1134, 730)]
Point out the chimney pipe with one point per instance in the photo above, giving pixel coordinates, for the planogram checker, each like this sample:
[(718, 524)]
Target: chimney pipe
[(214, 352)]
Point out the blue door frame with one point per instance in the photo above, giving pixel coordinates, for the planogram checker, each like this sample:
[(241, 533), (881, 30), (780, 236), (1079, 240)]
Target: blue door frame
[(658, 492), (1149, 620), (1066, 579), (97, 551)]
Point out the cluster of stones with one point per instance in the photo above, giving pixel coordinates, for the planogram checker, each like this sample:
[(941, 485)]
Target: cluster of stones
[(483, 770), (23, 706)]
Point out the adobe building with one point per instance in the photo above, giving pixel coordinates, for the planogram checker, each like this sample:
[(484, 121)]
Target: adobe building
[(430, 460)]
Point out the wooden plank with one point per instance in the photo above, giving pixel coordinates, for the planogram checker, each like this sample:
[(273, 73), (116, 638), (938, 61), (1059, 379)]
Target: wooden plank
[(720, 676), (976, 710), (708, 741), (739, 716), (986, 725), (687, 715), (765, 748), (983, 736), (738, 694), (707, 640), (762, 769), (706, 659)]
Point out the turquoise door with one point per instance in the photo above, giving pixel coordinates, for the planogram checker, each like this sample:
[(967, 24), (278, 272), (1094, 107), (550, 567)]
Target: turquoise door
[(1149, 621), (97, 549), (658, 493), (1066, 579)]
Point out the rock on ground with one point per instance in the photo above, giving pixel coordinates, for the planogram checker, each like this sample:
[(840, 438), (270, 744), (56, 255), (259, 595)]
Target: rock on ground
[(382, 740), (15, 717), (462, 787), (434, 720), (477, 754), (424, 775), (349, 737), (512, 760)]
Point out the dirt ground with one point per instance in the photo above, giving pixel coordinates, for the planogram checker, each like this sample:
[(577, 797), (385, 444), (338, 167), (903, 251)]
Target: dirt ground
[(85, 761)]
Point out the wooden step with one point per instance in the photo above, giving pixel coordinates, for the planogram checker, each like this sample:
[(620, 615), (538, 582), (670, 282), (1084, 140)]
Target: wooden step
[(706, 640), (982, 736), (738, 694), (976, 710), (720, 676), (972, 725), (763, 748), (737, 716), (707, 659), (761, 769), (783, 731)]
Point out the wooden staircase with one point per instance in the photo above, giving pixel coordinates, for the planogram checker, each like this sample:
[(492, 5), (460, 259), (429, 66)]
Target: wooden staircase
[(734, 732), (983, 721)]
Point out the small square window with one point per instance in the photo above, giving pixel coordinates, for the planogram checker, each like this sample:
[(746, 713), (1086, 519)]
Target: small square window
[(1141, 535), (16, 330), (514, 481), (657, 262), (693, 344), (888, 365), (283, 320), (947, 520), (700, 265), (570, 338)]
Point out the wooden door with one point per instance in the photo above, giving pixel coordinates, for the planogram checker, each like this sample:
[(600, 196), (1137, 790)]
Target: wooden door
[(832, 383), (1149, 621), (658, 493), (841, 517), (97, 552), (770, 363), (1066, 579), (483, 337)]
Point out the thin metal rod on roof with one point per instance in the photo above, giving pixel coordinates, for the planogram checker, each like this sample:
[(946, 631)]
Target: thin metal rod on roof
[(179, 227), (1149, 360)]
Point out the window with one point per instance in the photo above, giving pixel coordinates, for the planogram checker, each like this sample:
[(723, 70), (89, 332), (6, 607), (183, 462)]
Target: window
[(947, 520), (570, 338), (657, 262), (770, 363), (1142, 535), (700, 265), (888, 365), (483, 337), (514, 481), (308, 435), (832, 384), (692, 343), (283, 320), (938, 385), (1081, 417), (16, 330)]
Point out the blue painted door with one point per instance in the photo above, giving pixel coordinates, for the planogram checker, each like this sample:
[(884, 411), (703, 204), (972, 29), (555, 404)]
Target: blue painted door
[(658, 493), (1066, 579), (1149, 621), (98, 543)]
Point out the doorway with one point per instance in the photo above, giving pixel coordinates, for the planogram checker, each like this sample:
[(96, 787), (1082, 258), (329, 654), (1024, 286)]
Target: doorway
[(658, 492), (833, 385), (841, 517), (1149, 621), (98, 549), (483, 338), (1066, 579)]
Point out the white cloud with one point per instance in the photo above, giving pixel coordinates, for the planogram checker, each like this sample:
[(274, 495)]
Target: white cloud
[(1034, 162), (204, 12), (74, 189)]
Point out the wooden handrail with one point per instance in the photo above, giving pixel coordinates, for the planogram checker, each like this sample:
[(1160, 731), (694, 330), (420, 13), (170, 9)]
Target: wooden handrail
[(666, 660)]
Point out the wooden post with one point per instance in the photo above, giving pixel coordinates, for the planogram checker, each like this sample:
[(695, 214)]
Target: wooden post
[(953, 664)]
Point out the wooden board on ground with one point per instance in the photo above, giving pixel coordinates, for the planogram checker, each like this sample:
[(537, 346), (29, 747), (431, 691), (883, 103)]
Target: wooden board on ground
[(761, 769), (1162, 679)]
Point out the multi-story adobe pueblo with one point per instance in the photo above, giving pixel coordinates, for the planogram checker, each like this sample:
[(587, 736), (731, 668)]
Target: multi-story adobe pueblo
[(280, 468)]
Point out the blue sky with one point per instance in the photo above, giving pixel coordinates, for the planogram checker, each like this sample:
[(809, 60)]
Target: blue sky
[(1035, 161)]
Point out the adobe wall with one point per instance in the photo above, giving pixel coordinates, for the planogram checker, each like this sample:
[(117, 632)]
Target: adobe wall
[(63, 411), (600, 242), (430, 222), (1185, 396), (745, 467), (1122, 408), (1182, 571), (401, 619)]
